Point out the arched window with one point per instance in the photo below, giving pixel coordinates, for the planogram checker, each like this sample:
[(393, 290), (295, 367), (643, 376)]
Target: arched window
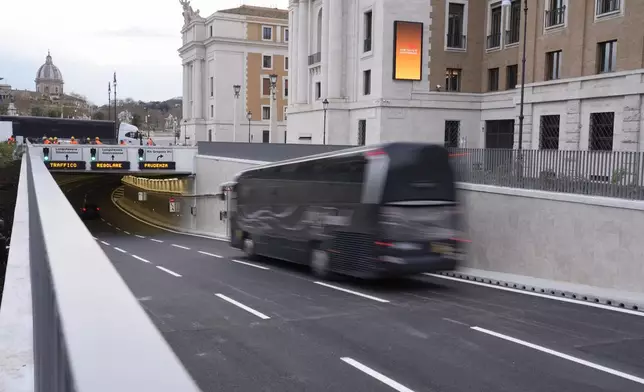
[(46, 89), (56, 90), (320, 30)]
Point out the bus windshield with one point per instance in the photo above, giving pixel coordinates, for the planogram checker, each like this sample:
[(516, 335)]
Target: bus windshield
[(418, 173)]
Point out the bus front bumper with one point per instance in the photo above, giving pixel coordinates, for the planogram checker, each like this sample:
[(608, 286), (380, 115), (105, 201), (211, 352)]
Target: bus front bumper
[(400, 266)]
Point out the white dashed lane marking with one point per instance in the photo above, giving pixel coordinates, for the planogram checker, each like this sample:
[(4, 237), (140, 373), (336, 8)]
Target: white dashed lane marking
[(251, 265), (180, 247), (168, 271)]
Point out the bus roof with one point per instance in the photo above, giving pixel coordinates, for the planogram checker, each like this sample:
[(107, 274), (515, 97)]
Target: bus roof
[(335, 154)]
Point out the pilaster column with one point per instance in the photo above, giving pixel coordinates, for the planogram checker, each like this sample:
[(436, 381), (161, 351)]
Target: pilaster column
[(335, 45), (186, 92), (293, 50), (303, 52), (198, 84), (326, 6)]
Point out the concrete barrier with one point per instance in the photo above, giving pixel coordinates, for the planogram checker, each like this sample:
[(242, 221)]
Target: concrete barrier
[(588, 244)]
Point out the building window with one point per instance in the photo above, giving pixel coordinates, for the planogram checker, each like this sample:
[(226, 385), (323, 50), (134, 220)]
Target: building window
[(604, 7), (266, 86), (267, 33), (601, 131), (455, 26), (555, 13), (285, 63), (285, 87), (511, 76), (210, 135), (514, 23), (368, 31), (453, 79), (366, 82), (267, 62), (286, 33), (266, 136), (452, 131), (362, 132), (553, 65), (211, 31), (494, 21), (212, 86), (606, 57), (212, 111), (318, 90), (493, 79), (285, 114), (549, 132), (266, 112)]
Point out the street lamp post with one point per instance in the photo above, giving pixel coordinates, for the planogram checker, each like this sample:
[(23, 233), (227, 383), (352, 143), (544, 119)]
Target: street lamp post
[(109, 101), (325, 106), (185, 132), (236, 90), (507, 3), (249, 116), (273, 85), (115, 110)]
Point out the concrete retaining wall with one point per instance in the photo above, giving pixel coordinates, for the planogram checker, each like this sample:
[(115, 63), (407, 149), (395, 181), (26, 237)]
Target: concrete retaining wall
[(563, 237)]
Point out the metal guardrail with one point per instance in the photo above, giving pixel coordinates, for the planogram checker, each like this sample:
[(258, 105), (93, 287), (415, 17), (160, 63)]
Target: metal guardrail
[(89, 332), (618, 174)]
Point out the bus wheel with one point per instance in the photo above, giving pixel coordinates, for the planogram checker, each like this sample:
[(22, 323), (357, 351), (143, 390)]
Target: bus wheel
[(320, 264), (249, 248)]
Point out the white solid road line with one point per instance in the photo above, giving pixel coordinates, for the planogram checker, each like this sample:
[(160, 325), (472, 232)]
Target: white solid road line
[(168, 271), (126, 232), (118, 228), (246, 308), (251, 265), (180, 247), (140, 258), (211, 254), (159, 241), (140, 236), (105, 243), (109, 224), (353, 292), (378, 376), (562, 355), (552, 297), (120, 250)]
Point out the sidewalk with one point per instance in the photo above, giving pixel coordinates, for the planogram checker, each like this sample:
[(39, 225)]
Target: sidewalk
[(156, 219)]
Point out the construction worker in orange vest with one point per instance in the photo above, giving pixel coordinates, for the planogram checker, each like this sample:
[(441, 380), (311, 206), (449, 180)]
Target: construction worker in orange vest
[(56, 140), (11, 140), (150, 142), (46, 141), (89, 141), (73, 141), (97, 141), (122, 142)]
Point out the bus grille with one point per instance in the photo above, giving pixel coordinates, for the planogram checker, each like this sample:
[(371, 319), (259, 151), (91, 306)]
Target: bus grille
[(352, 252)]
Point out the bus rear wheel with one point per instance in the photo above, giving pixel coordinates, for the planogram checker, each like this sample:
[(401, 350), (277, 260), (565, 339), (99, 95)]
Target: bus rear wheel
[(249, 248), (320, 264)]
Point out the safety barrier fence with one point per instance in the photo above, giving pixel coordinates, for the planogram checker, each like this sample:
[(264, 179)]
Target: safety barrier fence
[(618, 174)]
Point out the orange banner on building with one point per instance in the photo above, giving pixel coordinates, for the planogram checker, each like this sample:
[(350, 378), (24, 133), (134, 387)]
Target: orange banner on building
[(408, 46)]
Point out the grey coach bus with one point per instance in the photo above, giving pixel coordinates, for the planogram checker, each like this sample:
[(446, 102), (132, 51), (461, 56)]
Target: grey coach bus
[(368, 212)]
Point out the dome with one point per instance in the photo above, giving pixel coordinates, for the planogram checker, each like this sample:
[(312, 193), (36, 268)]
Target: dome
[(48, 71)]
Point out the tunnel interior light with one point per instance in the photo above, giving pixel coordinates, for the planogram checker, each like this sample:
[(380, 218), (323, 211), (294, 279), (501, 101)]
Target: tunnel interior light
[(45, 152), (93, 154)]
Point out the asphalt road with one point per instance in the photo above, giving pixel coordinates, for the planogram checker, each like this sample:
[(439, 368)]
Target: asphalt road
[(270, 326)]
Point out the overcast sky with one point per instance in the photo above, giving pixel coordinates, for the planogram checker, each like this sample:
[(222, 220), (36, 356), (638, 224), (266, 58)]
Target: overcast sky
[(91, 39)]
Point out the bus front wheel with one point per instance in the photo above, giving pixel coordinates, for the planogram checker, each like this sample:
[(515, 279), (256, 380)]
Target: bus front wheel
[(249, 248), (320, 264)]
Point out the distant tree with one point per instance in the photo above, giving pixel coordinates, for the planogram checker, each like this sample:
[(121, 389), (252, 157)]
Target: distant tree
[(136, 120), (99, 116), (53, 113), (4, 109), (164, 107), (129, 101), (37, 111)]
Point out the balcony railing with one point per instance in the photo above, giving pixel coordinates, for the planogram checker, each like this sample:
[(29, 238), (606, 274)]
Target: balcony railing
[(493, 41), (512, 36), (555, 17), (456, 41), (607, 6), (315, 58), (367, 45)]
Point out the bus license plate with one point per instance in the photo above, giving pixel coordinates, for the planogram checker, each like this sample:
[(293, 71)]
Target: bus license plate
[(441, 248)]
